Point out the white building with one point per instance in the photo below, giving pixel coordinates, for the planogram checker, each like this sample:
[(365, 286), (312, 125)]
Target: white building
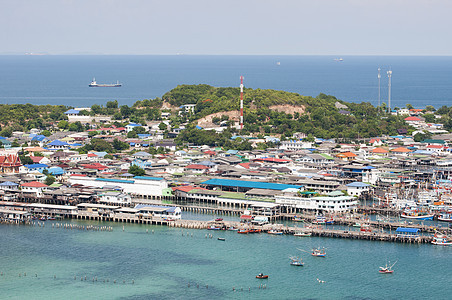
[(139, 185), (327, 204), (115, 198)]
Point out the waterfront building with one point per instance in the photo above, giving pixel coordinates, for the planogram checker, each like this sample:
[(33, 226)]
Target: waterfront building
[(326, 204), (115, 198)]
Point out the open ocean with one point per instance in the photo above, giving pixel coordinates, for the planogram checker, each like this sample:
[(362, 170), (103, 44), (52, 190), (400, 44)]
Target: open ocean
[(171, 264), (418, 80)]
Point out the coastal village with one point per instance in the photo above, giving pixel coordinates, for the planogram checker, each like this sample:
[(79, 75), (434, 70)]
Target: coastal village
[(154, 180)]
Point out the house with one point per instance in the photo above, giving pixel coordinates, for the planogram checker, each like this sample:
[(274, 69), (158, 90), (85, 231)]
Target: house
[(40, 160), (346, 156), (197, 168), (58, 145), (131, 126), (115, 198), (357, 188), (28, 168), (413, 121), (34, 187)]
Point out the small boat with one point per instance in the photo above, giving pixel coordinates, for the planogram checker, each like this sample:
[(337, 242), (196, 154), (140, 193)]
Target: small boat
[(442, 240), (297, 219), (221, 239), (296, 261), (243, 231), (275, 232), (51, 218), (329, 222), (387, 269), (366, 228), (319, 220), (42, 218), (261, 276), (213, 227), (219, 219), (302, 234), (445, 217), (254, 231), (318, 252), (358, 225), (232, 228)]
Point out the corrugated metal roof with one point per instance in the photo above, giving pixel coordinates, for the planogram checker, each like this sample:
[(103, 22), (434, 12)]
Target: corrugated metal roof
[(250, 184), (115, 180)]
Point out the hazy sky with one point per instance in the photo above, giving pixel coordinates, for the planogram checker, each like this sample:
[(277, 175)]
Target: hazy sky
[(336, 27)]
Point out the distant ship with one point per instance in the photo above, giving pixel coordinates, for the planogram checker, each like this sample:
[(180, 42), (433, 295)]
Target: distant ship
[(338, 59), (95, 84)]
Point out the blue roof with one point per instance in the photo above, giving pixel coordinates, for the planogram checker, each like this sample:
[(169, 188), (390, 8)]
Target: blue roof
[(147, 178), (57, 143), (8, 183), (250, 184), (133, 125), (56, 171), (72, 111), (198, 127), (407, 230), (115, 180), (36, 166), (232, 151), (358, 184), (38, 138), (101, 154), (2, 138)]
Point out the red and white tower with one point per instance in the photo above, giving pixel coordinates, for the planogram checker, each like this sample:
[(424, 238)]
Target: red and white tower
[(241, 102)]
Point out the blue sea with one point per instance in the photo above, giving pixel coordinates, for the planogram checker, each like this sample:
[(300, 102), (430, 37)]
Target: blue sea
[(157, 262), (418, 80)]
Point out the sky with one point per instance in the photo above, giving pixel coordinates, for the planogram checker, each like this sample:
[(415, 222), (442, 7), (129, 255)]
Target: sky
[(226, 27)]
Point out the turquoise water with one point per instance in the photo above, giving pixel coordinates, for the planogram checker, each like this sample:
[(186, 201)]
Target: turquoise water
[(162, 264), (64, 79)]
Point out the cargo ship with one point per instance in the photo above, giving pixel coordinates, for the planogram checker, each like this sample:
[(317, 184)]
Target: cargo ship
[(95, 84)]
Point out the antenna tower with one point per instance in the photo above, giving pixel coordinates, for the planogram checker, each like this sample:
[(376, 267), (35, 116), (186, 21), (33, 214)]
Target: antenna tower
[(389, 89), (241, 102)]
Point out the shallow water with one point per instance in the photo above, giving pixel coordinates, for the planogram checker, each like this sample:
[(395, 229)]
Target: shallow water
[(162, 264)]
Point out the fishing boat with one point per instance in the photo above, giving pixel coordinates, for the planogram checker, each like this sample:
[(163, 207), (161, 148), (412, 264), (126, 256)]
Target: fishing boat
[(329, 221), (243, 231), (232, 228), (297, 219), (318, 252), (319, 220), (296, 261), (302, 234), (275, 232), (445, 217), (213, 227), (254, 230), (366, 228), (357, 224), (221, 239), (442, 240), (416, 214), (219, 219), (387, 269), (261, 276)]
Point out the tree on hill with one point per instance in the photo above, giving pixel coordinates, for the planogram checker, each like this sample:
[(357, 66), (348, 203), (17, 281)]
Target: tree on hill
[(136, 170)]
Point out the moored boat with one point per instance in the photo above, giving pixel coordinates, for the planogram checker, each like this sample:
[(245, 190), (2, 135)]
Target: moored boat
[(261, 276), (302, 234), (297, 219), (254, 230), (213, 227), (243, 231), (445, 217), (442, 240), (275, 232)]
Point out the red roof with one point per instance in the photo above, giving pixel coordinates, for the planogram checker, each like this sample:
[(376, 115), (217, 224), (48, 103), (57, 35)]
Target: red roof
[(346, 154), (197, 167), (416, 119), (92, 155), (187, 188), (96, 166), (36, 159), (379, 150), (79, 175), (245, 165), (272, 159), (34, 184), (401, 149), (210, 152), (435, 146), (246, 217)]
